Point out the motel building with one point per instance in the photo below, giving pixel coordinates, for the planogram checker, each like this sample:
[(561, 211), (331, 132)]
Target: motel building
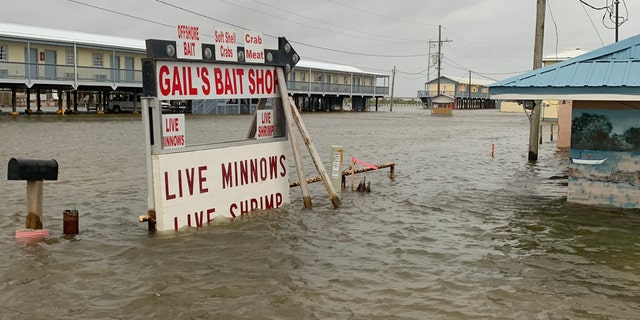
[(603, 87), (466, 92), (43, 70)]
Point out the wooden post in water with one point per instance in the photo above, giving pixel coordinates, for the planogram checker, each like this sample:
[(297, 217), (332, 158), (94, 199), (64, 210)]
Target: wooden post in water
[(534, 125), (312, 149), (34, 204), (306, 197)]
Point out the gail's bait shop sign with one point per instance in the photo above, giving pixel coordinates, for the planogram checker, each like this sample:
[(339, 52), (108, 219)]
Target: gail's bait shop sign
[(190, 185)]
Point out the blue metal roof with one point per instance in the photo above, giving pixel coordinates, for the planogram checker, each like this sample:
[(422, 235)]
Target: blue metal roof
[(608, 73)]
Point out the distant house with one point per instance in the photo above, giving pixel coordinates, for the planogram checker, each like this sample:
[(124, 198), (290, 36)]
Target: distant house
[(604, 85), (318, 85), (468, 93)]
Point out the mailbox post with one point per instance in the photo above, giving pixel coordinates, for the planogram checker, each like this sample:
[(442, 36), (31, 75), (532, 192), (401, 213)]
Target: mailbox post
[(34, 172)]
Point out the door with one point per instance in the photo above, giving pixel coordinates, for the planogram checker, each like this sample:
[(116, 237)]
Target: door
[(50, 64), (115, 68), (31, 68), (129, 67)]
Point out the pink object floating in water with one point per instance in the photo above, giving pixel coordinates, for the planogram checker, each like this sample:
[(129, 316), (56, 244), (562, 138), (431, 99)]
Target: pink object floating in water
[(31, 233)]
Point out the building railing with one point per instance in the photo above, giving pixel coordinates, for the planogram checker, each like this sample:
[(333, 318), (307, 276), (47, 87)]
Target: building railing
[(68, 74), (71, 75), (455, 94), (306, 87)]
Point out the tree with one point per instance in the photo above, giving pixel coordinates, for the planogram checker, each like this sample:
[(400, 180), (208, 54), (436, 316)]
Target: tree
[(632, 137), (591, 131)]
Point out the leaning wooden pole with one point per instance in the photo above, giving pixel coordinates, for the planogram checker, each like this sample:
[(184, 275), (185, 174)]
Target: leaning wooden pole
[(252, 129), (282, 84), (326, 180)]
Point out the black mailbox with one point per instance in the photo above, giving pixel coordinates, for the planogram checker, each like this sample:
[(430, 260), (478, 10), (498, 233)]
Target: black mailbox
[(32, 169)]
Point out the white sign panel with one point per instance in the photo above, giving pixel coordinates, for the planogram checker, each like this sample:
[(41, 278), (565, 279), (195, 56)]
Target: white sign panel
[(192, 188), (178, 80), (173, 131), (253, 47), (226, 44), (264, 124), (188, 44)]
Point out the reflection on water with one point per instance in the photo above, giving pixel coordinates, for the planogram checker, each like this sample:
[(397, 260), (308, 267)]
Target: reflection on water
[(457, 235)]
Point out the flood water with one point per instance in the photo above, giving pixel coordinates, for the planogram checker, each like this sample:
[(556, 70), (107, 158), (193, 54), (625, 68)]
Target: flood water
[(458, 234)]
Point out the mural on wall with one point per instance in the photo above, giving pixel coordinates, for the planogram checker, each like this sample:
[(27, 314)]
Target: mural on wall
[(605, 157), (608, 130)]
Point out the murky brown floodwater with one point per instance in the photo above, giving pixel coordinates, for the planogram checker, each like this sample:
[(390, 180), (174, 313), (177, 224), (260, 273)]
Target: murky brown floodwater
[(457, 235)]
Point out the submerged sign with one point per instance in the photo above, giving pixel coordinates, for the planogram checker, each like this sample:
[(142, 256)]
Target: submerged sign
[(193, 188), (189, 186)]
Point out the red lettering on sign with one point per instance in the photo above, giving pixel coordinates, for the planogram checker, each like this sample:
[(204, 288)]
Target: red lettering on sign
[(164, 80), (171, 125), (228, 81), (266, 117), (190, 177), (188, 32), (206, 85), (248, 39), (262, 81), (243, 172), (265, 202)]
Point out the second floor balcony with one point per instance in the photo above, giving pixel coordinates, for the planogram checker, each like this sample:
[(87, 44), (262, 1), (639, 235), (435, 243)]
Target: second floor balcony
[(305, 87), (74, 76), (455, 94)]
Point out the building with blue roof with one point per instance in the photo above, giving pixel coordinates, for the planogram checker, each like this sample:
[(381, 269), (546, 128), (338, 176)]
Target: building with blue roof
[(604, 86)]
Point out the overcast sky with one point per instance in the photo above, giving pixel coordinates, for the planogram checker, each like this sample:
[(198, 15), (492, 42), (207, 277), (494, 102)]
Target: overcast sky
[(492, 38)]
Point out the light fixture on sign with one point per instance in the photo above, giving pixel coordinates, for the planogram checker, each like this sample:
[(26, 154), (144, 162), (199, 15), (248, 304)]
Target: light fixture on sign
[(269, 57), (287, 68), (295, 58), (240, 56), (171, 50), (287, 47), (208, 53)]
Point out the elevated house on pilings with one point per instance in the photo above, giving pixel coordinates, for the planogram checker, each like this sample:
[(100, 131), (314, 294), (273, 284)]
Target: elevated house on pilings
[(80, 72), (604, 85), (73, 65), (321, 86), (467, 93)]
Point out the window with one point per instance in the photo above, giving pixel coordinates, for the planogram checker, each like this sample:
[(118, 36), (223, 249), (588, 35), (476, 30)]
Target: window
[(98, 60), (4, 53), (69, 57), (346, 79), (303, 76)]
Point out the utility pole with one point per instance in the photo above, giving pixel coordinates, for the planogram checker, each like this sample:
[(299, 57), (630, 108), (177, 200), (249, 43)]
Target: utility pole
[(534, 123), (469, 89), (426, 84), (393, 85), (617, 25), (439, 54), (440, 41)]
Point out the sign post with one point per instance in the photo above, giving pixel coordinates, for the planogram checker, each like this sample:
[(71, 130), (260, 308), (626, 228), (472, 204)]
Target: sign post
[(189, 186)]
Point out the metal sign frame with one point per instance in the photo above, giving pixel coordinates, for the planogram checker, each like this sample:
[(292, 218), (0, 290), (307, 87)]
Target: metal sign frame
[(242, 175)]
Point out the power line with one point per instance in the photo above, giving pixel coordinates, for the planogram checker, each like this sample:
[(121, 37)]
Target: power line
[(291, 40), (380, 15), (120, 13), (389, 39), (553, 19), (591, 21)]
